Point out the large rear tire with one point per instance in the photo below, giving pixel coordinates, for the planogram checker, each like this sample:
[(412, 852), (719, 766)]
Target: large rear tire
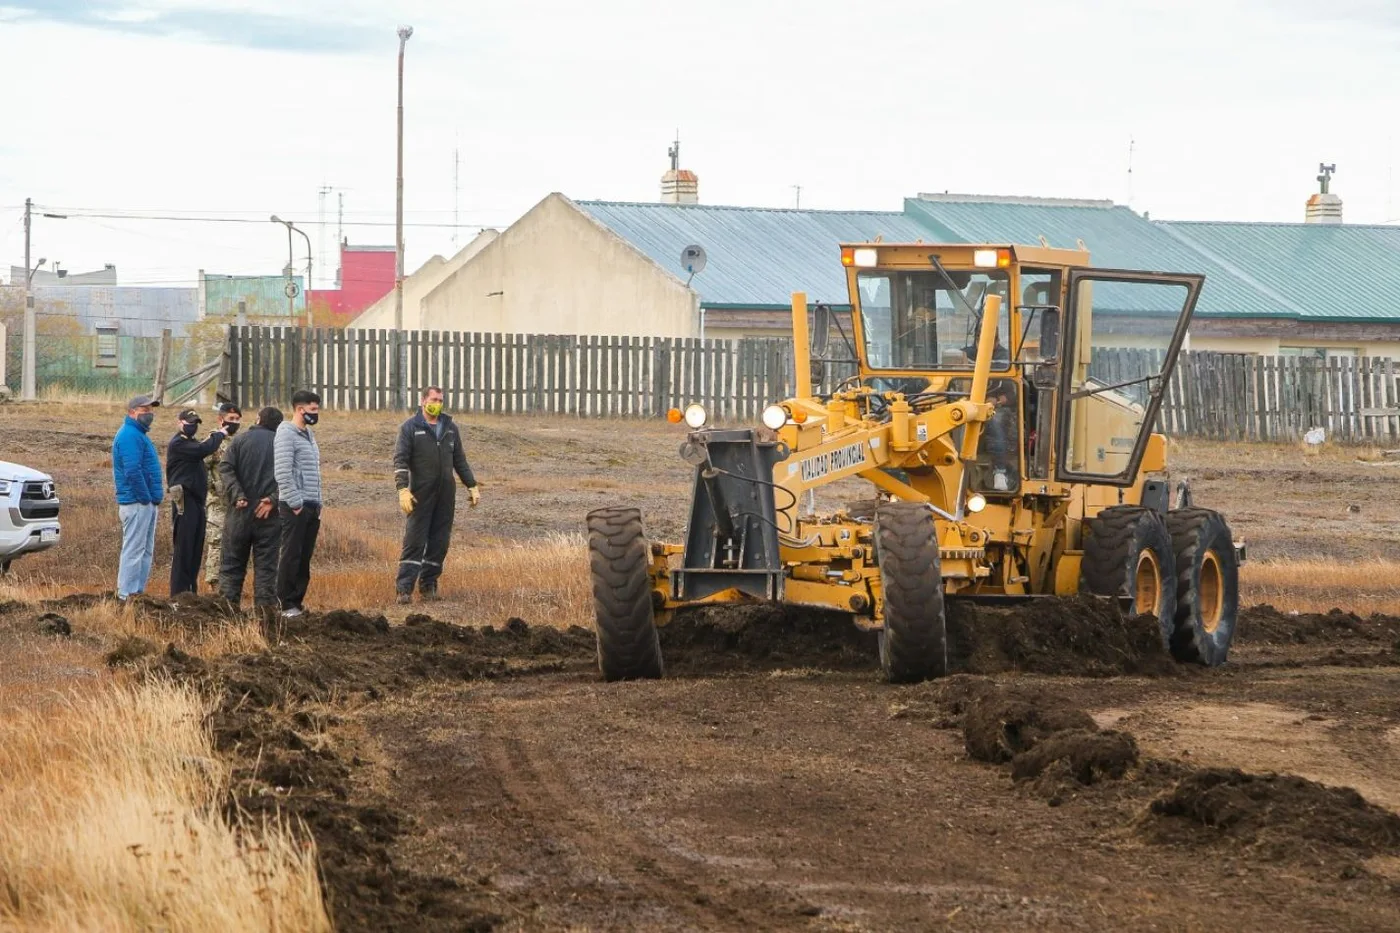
[(914, 641), (1128, 554), (1207, 586), (628, 646)]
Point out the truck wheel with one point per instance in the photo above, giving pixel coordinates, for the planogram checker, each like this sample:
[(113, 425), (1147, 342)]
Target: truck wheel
[(914, 641), (628, 646), (1128, 553), (1207, 586)]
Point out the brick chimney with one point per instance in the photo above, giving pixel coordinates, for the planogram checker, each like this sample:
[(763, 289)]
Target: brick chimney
[(679, 185), (1324, 207)]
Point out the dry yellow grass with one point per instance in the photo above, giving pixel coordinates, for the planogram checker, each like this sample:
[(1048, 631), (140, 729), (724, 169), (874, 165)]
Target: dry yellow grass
[(543, 581), (1362, 587), (110, 620), (109, 821)]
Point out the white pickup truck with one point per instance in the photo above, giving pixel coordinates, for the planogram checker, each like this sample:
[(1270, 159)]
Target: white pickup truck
[(28, 512)]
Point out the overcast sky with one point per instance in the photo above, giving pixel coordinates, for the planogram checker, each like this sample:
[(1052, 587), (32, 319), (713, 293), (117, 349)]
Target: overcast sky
[(191, 106)]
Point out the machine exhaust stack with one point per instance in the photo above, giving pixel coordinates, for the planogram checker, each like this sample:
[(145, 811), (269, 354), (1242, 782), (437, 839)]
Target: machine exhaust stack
[(801, 346)]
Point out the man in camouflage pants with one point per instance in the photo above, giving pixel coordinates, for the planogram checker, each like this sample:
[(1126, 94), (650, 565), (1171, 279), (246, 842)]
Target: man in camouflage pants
[(217, 502)]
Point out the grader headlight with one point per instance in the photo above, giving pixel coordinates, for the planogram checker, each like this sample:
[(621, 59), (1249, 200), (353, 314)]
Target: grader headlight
[(774, 417), (695, 415), (976, 502)]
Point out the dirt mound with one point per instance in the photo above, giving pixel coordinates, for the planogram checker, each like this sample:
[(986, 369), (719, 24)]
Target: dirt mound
[(1274, 815), (74, 601), (1087, 756), (1002, 724), (130, 650), (764, 637), (1083, 637), (1269, 626), (51, 623), (1044, 738)]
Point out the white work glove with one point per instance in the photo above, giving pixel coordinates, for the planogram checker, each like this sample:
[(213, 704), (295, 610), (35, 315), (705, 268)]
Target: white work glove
[(474, 493)]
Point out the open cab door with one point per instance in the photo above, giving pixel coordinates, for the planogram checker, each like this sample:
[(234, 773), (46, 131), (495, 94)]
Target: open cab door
[(1122, 335)]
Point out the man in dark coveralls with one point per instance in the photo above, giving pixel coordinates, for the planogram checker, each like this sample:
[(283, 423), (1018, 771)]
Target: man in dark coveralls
[(429, 451)]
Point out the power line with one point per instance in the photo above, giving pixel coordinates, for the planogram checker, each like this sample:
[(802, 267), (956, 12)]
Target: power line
[(248, 220), (83, 213)]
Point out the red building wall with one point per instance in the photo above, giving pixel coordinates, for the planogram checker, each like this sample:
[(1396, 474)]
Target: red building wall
[(366, 275)]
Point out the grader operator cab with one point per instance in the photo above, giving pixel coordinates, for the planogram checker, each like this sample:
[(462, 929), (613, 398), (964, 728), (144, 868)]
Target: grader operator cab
[(1007, 458)]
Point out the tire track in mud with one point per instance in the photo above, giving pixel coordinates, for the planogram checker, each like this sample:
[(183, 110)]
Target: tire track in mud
[(620, 858)]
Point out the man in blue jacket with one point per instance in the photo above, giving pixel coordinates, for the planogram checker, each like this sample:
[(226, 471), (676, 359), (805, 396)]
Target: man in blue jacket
[(137, 475)]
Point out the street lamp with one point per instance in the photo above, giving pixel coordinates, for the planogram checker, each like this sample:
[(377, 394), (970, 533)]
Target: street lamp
[(291, 292), (400, 355)]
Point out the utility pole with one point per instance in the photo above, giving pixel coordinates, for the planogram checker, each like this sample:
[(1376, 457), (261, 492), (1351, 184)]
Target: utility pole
[(26, 391), (27, 382), (400, 354), (339, 237)]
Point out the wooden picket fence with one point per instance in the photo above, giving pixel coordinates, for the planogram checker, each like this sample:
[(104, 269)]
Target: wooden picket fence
[(511, 373), (1247, 397), (1223, 396)]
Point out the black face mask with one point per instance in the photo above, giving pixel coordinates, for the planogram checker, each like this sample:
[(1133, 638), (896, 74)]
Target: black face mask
[(188, 429), (310, 417), (231, 427), (145, 418)]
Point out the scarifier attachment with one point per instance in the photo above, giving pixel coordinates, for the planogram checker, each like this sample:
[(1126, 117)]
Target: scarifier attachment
[(732, 537)]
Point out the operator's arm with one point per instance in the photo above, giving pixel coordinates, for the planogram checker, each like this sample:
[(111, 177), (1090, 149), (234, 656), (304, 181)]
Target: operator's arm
[(188, 450), (459, 462), (284, 468), (403, 456)]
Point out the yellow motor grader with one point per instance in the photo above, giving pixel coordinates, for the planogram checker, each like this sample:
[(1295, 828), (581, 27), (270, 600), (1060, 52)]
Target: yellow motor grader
[(1009, 452)]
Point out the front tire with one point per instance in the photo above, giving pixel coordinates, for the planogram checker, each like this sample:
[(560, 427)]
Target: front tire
[(1128, 554), (628, 645), (1207, 586), (914, 641)]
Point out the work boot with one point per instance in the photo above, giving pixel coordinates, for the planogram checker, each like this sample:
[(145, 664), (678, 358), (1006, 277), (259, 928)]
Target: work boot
[(429, 596), (406, 598)]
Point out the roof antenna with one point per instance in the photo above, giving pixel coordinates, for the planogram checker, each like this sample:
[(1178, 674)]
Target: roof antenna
[(675, 151), (1325, 175)]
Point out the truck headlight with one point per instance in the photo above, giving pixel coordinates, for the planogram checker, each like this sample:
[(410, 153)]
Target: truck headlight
[(4, 487), (976, 502), (695, 415), (774, 417)]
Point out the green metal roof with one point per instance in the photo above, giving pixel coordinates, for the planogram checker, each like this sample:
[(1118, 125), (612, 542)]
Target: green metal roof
[(756, 257), (1330, 272), (1116, 238)]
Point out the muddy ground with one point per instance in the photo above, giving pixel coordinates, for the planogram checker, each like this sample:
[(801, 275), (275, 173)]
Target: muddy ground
[(1070, 777), (473, 773)]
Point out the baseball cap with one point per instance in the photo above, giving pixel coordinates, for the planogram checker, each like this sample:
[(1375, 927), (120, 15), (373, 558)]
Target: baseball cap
[(228, 408), (141, 401), (190, 416)]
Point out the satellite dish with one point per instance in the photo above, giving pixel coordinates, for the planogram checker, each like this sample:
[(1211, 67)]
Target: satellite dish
[(693, 259)]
